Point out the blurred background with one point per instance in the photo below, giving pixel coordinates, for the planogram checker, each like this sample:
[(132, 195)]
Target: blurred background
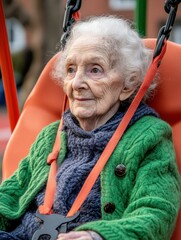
[(34, 29)]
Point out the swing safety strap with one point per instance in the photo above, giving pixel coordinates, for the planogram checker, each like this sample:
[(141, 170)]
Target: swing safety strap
[(46, 208)]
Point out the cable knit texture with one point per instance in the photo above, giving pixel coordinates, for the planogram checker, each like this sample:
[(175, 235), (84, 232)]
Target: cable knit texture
[(146, 199)]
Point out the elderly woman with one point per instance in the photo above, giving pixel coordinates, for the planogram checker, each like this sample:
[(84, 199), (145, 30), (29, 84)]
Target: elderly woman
[(137, 194)]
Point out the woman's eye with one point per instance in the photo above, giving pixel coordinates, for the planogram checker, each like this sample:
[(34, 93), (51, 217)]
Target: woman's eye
[(95, 70), (70, 69)]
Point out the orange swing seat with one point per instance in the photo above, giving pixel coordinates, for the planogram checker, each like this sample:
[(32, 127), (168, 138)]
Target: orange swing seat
[(45, 105)]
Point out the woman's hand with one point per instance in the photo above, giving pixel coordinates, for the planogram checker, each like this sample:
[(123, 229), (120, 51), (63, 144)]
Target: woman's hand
[(82, 235)]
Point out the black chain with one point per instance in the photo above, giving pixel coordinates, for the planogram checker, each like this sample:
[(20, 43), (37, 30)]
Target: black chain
[(164, 33), (72, 6), (171, 3), (171, 6)]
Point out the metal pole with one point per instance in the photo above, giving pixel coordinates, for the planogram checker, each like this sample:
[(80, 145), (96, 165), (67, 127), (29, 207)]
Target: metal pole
[(8, 73), (140, 17)]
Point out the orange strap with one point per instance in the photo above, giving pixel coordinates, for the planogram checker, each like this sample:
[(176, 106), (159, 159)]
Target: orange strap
[(91, 179), (76, 15), (7, 73), (46, 207)]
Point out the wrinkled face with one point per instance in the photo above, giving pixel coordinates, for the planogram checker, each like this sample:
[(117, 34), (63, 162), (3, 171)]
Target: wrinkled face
[(92, 85)]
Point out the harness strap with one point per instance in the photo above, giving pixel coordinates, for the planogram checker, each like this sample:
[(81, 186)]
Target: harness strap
[(46, 207), (92, 177)]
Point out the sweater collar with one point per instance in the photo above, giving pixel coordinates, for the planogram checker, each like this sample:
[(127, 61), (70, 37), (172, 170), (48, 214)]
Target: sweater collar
[(70, 122)]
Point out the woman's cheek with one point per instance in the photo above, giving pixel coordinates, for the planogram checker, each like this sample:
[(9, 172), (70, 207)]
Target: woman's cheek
[(67, 87)]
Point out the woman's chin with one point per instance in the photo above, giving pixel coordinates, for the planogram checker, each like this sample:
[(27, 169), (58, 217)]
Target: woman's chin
[(83, 113)]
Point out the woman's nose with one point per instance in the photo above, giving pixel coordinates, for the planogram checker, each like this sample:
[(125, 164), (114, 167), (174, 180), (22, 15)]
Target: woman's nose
[(78, 81)]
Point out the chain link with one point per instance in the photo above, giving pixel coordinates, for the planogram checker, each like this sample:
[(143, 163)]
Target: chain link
[(72, 6), (164, 33), (171, 3), (171, 6)]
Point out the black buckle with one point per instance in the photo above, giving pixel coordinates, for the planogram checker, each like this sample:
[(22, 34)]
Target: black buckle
[(50, 223)]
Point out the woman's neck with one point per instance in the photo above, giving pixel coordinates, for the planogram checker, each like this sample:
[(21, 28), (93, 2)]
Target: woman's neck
[(90, 124)]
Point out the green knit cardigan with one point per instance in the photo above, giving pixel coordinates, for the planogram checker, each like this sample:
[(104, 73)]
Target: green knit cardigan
[(146, 198)]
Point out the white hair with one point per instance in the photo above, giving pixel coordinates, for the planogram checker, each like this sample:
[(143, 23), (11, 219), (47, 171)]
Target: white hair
[(120, 41)]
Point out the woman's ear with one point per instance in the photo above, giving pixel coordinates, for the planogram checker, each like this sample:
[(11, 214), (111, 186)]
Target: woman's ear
[(126, 93), (128, 90)]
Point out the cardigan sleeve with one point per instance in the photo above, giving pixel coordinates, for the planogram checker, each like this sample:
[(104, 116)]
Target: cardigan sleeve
[(11, 191), (154, 199), (17, 192)]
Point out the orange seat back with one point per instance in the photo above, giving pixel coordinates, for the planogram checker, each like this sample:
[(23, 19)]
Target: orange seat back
[(167, 101), (44, 105)]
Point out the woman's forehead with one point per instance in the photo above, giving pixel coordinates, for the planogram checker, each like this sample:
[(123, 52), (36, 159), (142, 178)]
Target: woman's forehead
[(90, 50), (86, 59)]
